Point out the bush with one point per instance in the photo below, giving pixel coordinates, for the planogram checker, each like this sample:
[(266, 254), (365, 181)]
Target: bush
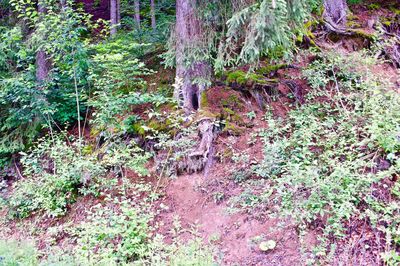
[(323, 159), (114, 234), (56, 173)]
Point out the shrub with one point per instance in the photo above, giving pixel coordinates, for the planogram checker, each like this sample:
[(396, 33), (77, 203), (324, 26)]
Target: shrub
[(322, 159), (56, 173)]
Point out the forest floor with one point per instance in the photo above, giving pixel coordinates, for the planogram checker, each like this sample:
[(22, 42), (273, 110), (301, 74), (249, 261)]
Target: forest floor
[(212, 206)]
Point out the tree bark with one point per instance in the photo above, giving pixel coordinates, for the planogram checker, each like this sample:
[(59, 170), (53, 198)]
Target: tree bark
[(137, 13), (188, 34), (113, 17), (153, 14), (118, 12), (335, 14), (188, 88), (43, 64)]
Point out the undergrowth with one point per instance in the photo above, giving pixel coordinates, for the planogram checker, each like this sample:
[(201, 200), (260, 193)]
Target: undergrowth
[(56, 173), (119, 230), (327, 159)]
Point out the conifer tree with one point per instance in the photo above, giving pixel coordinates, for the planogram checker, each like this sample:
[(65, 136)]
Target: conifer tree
[(191, 72), (137, 13), (113, 16), (153, 14)]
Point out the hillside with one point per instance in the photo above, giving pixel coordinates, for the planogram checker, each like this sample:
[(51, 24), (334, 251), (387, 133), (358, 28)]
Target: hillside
[(113, 155)]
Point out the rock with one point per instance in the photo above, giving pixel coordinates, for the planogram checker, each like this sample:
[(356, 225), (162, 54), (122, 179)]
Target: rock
[(267, 245)]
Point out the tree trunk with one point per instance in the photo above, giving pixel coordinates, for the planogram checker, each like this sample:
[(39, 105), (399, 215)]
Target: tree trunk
[(137, 13), (113, 17), (188, 38), (43, 64), (118, 12), (188, 89), (153, 14), (335, 14)]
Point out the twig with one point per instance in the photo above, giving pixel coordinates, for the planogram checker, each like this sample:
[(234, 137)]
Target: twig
[(339, 94), (78, 110), (18, 172)]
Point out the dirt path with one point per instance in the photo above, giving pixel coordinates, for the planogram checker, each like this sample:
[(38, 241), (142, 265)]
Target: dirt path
[(233, 235)]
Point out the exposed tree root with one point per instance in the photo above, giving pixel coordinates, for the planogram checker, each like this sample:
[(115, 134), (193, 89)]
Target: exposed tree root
[(262, 94), (190, 160), (201, 157), (391, 35), (337, 28)]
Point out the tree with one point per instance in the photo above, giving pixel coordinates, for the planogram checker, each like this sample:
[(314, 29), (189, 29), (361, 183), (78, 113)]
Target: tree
[(113, 16), (153, 14), (43, 64), (335, 15), (137, 13), (118, 11), (191, 72), (192, 75)]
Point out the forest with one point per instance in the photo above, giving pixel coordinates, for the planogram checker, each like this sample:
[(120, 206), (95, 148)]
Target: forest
[(199, 133)]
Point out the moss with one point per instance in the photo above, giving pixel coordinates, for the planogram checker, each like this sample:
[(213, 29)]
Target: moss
[(395, 10), (87, 150), (374, 6), (270, 68), (364, 34), (227, 154), (387, 21), (232, 102), (231, 116), (158, 125), (353, 24), (94, 132), (205, 114), (228, 111), (204, 104), (233, 129), (278, 52), (244, 78), (138, 129), (352, 17)]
